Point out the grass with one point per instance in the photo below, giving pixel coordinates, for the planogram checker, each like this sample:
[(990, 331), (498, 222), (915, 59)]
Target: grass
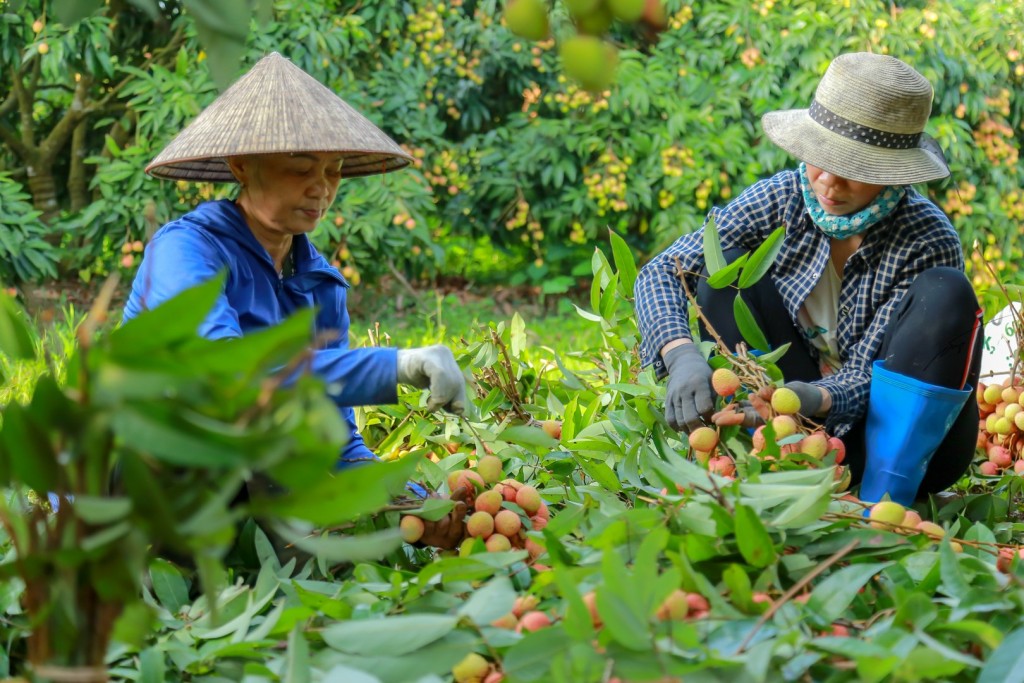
[(443, 318)]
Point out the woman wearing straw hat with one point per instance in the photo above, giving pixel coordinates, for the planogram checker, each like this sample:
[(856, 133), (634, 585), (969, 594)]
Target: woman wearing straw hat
[(288, 141), (868, 287)]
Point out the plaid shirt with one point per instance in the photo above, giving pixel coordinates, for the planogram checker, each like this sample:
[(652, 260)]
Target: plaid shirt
[(915, 237)]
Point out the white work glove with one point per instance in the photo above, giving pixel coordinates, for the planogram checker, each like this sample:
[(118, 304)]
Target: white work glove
[(434, 368)]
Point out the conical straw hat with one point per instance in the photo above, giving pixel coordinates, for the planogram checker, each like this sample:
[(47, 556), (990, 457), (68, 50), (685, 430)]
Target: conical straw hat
[(276, 107), (866, 123)]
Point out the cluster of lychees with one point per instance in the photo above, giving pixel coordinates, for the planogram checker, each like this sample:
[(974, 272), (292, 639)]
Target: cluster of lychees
[(493, 520), (1001, 429), (778, 406)]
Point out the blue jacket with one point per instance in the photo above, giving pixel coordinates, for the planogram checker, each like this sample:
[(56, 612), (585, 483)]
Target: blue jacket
[(215, 238)]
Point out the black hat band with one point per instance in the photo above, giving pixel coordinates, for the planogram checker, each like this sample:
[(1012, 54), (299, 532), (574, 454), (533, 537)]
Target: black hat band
[(855, 131)]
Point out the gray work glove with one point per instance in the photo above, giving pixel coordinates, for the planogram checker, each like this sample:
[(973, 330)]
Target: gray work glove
[(689, 397), (434, 368), (809, 395)]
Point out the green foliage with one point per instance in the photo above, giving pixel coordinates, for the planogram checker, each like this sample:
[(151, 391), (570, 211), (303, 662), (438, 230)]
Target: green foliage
[(511, 154), (24, 252), (145, 446), (787, 579)]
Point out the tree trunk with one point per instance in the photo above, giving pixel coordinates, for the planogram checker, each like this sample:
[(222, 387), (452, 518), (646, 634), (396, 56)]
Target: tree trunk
[(78, 180), (43, 188)]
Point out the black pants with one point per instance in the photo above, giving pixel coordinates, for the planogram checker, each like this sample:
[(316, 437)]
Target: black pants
[(934, 336)]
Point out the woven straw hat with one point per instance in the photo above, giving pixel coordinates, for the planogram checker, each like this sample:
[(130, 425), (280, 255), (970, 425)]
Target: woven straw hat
[(866, 123), (276, 107)]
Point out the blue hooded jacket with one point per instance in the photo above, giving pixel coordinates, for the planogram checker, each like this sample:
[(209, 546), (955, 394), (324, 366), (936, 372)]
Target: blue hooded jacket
[(215, 237)]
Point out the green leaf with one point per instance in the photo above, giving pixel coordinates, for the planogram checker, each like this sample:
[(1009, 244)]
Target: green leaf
[(168, 585), (726, 276), (99, 510), (27, 452), (528, 436), (297, 665), (517, 336), (530, 658), (625, 263), (16, 339), (339, 548), (714, 259), (1006, 664), (754, 542), (774, 355), (177, 319), (748, 326), (762, 259), (69, 12), (495, 599), (222, 28), (836, 593), (625, 619), (391, 636), (152, 668)]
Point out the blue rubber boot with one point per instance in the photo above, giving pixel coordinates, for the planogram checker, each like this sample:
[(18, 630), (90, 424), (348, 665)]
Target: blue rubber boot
[(907, 421)]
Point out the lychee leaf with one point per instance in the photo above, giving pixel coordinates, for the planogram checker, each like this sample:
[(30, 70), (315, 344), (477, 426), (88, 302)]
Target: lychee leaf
[(748, 326), (754, 542), (762, 259), (714, 259), (727, 276)]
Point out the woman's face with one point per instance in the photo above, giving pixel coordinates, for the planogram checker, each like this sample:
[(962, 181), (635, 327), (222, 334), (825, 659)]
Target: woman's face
[(839, 196), (287, 193)]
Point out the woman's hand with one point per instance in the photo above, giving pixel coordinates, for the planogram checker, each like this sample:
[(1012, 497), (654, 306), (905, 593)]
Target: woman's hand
[(434, 368), (448, 531)]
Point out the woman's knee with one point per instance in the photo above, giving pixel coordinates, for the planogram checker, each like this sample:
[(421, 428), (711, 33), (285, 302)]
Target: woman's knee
[(947, 287)]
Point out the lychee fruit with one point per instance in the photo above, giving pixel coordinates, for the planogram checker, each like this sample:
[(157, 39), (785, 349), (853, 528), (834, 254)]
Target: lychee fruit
[(785, 401), (489, 502), (552, 428), (703, 439), (886, 513), (411, 528), (471, 669), (489, 469), (533, 621), (988, 468), (675, 607), (725, 382), (480, 525), (507, 523), (784, 426), (529, 499), (814, 445), (932, 529), (497, 543)]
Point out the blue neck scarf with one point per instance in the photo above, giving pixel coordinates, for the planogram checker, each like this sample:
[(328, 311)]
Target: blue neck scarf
[(841, 227)]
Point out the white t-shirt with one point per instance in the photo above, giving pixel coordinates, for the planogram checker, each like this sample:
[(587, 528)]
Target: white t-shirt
[(818, 319)]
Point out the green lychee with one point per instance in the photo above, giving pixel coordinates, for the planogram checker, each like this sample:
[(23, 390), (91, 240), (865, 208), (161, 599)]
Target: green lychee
[(590, 61), (626, 10), (472, 668), (785, 401), (886, 513), (527, 18), (489, 468)]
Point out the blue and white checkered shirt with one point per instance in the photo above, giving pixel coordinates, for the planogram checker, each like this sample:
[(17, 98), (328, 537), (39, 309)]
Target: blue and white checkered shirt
[(915, 237)]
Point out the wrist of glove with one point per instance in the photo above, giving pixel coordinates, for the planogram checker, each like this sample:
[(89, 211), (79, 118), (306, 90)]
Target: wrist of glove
[(810, 397), (434, 368), (689, 399)]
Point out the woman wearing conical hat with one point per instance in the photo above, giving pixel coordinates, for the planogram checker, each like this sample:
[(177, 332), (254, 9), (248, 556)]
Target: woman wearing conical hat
[(868, 287), (287, 141)]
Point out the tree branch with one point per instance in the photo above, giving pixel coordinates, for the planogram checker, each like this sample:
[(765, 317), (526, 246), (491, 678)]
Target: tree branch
[(15, 143)]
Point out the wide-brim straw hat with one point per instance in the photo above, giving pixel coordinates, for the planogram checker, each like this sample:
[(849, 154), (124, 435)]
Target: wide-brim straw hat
[(866, 123), (276, 107)]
